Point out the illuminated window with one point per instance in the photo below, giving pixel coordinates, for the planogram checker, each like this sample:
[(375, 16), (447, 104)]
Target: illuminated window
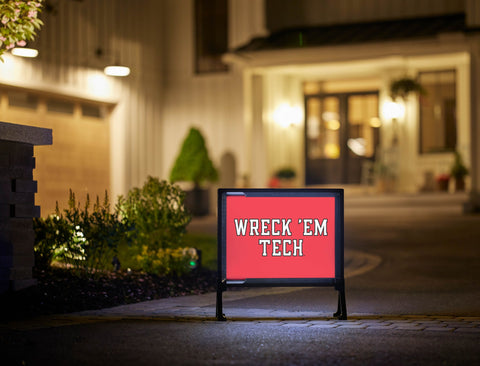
[(22, 99), (60, 106), (438, 125), (211, 35)]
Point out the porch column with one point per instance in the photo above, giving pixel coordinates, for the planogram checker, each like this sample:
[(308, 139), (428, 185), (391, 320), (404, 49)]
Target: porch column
[(257, 156), (473, 205)]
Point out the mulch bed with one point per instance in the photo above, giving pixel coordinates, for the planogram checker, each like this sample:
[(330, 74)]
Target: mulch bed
[(60, 291)]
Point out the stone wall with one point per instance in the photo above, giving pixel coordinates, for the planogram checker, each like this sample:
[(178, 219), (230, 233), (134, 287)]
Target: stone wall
[(17, 203)]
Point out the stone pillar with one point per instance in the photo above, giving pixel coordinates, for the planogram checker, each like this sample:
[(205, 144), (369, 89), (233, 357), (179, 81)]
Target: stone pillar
[(17, 203)]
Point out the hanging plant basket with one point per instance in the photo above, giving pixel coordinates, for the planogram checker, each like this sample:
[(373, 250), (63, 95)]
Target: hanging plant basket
[(404, 86)]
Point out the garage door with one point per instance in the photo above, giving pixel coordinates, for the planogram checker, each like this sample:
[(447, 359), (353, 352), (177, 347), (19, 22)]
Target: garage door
[(79, 158)]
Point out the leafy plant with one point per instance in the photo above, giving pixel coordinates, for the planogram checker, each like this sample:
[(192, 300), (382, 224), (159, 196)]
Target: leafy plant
[(19, 21), (168, 261), (152, 218), (86, 241), (458, 170), (404, 86), (193, 163), (285, 173), (157, 213)]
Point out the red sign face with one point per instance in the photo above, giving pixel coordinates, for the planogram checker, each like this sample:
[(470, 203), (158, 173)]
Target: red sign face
[(280, 237)]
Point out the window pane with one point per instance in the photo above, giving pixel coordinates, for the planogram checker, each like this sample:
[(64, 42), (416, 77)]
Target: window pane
[(22, 99), (438, 126), (60, 106), (211, 35), (362, 114), (323, 128), (92, 110)]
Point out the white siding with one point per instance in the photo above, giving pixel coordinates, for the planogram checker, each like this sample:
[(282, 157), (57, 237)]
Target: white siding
[(68, 64), (211, 102)]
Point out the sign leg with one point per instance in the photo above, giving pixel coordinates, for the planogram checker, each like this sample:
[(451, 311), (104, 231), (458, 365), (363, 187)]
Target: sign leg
[(341, 313), (219, 313)]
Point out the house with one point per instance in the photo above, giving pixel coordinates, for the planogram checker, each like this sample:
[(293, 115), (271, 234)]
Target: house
[(303, 84)]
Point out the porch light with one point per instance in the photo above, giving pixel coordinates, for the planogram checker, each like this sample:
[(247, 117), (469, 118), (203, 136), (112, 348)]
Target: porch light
[(286, 115), (24, 52), (393, 110), (117, 70), (375, 122)]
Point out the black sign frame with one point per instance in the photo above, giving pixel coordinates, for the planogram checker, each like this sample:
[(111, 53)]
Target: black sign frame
[(338, 282)]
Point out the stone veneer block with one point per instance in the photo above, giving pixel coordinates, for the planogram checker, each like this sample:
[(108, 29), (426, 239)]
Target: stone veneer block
[(25, 134), (17, 203)]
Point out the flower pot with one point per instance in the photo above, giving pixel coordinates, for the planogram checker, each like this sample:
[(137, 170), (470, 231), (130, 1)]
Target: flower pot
[(442, 185), (459, 184), (197, 201)]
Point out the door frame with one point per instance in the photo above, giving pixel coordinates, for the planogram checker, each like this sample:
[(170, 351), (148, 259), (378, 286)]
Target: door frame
[(344, 159)]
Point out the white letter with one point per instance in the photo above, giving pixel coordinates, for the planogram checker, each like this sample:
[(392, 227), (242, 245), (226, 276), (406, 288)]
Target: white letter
[(275, 251), (264, 242), (297, 247), (240, 226), (285, 252), (253, 226), (265, 231), (275, 233), (322, 228), (306, 227), (285, 228)]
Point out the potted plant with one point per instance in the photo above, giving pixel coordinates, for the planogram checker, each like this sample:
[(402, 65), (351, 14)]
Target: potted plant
[(404, 86), (442, 181), (459, 171), (194, 165), (283, 178)]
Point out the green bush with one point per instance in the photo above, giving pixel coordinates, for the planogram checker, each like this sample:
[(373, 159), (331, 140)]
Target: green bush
[(150, 221), (86, 241), (166, 261), (50, 234), (193, 163), (157, 213)]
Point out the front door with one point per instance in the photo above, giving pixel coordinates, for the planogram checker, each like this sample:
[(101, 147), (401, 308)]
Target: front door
[(341, 134)]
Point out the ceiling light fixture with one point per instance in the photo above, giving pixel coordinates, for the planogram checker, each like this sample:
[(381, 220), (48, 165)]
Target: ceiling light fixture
[(25, 52), (117, 71)]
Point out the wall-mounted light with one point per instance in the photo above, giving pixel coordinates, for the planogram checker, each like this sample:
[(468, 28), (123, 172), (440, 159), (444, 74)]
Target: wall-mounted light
[(24, 52), (116, 70), (286, 115), (393, 110), (113, 68)]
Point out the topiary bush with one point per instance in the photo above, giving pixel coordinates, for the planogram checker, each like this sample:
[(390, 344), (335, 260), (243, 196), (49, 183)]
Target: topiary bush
[(193, 163)]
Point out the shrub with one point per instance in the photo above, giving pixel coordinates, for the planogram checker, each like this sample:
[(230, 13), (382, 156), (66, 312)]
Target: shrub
[(166, 261), (86, 241), (50, 234), (158, 214), (152, 218), (193, 163)]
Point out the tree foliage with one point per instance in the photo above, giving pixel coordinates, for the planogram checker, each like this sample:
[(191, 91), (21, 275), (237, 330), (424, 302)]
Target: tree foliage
[(18, 23)]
